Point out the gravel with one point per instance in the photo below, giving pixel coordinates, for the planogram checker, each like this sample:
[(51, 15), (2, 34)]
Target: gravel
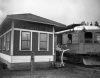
[(65, 72)]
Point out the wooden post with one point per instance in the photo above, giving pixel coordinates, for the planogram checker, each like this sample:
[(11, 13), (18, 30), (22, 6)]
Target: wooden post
[(32, 64), (54, 56)]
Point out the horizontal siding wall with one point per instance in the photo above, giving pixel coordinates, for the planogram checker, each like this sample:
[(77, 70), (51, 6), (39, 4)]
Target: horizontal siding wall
[(25, 59), (5, 57)]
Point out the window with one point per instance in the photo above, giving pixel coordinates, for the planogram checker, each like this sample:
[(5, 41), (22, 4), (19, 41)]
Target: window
[(8, 41), (75, 38), (0, 44), (88, 37), (97, 37), (69, 38), (43, 42), (64, 38), (4, 42), (25, 40)]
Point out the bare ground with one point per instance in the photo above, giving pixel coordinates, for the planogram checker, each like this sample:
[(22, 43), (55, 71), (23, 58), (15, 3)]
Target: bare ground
[(66, 72)]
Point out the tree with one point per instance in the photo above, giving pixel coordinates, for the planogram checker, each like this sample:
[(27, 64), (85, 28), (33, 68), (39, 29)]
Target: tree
[(87, 23), (83, 23), (96, 23), (91, 24), (84, 30)]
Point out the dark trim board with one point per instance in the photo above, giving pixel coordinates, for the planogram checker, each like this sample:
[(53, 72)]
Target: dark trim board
[(32, 26)]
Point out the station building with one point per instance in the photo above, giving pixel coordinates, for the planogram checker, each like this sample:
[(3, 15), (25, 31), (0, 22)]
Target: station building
[(22, 34)]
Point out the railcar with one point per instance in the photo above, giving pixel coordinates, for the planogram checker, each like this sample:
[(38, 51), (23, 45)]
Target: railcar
[(83, 42)]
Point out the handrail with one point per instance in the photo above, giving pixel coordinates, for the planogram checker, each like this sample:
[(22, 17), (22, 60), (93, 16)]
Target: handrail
[(63, 51)]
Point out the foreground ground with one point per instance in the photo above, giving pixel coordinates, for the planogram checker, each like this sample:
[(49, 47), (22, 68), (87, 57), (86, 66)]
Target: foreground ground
[(66, 72)]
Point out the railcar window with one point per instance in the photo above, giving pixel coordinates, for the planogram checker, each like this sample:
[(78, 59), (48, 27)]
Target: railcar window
[(88, 37), (97, 37), (69, 38), (64, 38)]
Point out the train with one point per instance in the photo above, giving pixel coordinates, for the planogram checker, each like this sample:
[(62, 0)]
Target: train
[(83, 42)]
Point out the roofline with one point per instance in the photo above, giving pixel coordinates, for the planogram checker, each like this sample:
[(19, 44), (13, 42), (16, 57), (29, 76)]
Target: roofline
[(3, 22), (37, 22), (59, 32)]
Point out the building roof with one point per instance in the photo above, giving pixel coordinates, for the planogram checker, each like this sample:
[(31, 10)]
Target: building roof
[(34, 18)]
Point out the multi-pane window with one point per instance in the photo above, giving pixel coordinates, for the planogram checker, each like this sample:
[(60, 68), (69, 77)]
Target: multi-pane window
[(4, 42), (25, 40), (43, 42), (8, 41)]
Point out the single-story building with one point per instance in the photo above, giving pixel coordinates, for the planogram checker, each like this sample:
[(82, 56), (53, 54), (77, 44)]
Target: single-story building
[(22, 34)]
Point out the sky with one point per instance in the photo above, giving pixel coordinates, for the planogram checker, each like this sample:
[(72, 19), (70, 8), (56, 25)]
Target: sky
[(63, 11)]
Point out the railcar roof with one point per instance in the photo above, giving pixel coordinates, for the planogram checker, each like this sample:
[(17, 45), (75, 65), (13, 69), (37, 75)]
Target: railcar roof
[(87, 27), (80, 27)]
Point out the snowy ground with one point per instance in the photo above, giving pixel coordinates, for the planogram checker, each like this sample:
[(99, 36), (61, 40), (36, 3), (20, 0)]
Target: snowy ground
[(66, 72)]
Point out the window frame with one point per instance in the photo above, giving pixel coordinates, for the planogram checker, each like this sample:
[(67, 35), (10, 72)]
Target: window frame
[(64, 34), (69, 39), (4, 41), (40, 41), (88, 39), (96, 34), (0, 43), (8, 41), (20, 41)]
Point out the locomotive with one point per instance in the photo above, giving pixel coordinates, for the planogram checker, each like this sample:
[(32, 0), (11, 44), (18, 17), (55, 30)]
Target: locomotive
[(83, 42)]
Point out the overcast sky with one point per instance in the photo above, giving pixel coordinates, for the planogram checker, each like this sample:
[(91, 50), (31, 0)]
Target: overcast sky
[(63, 11)]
